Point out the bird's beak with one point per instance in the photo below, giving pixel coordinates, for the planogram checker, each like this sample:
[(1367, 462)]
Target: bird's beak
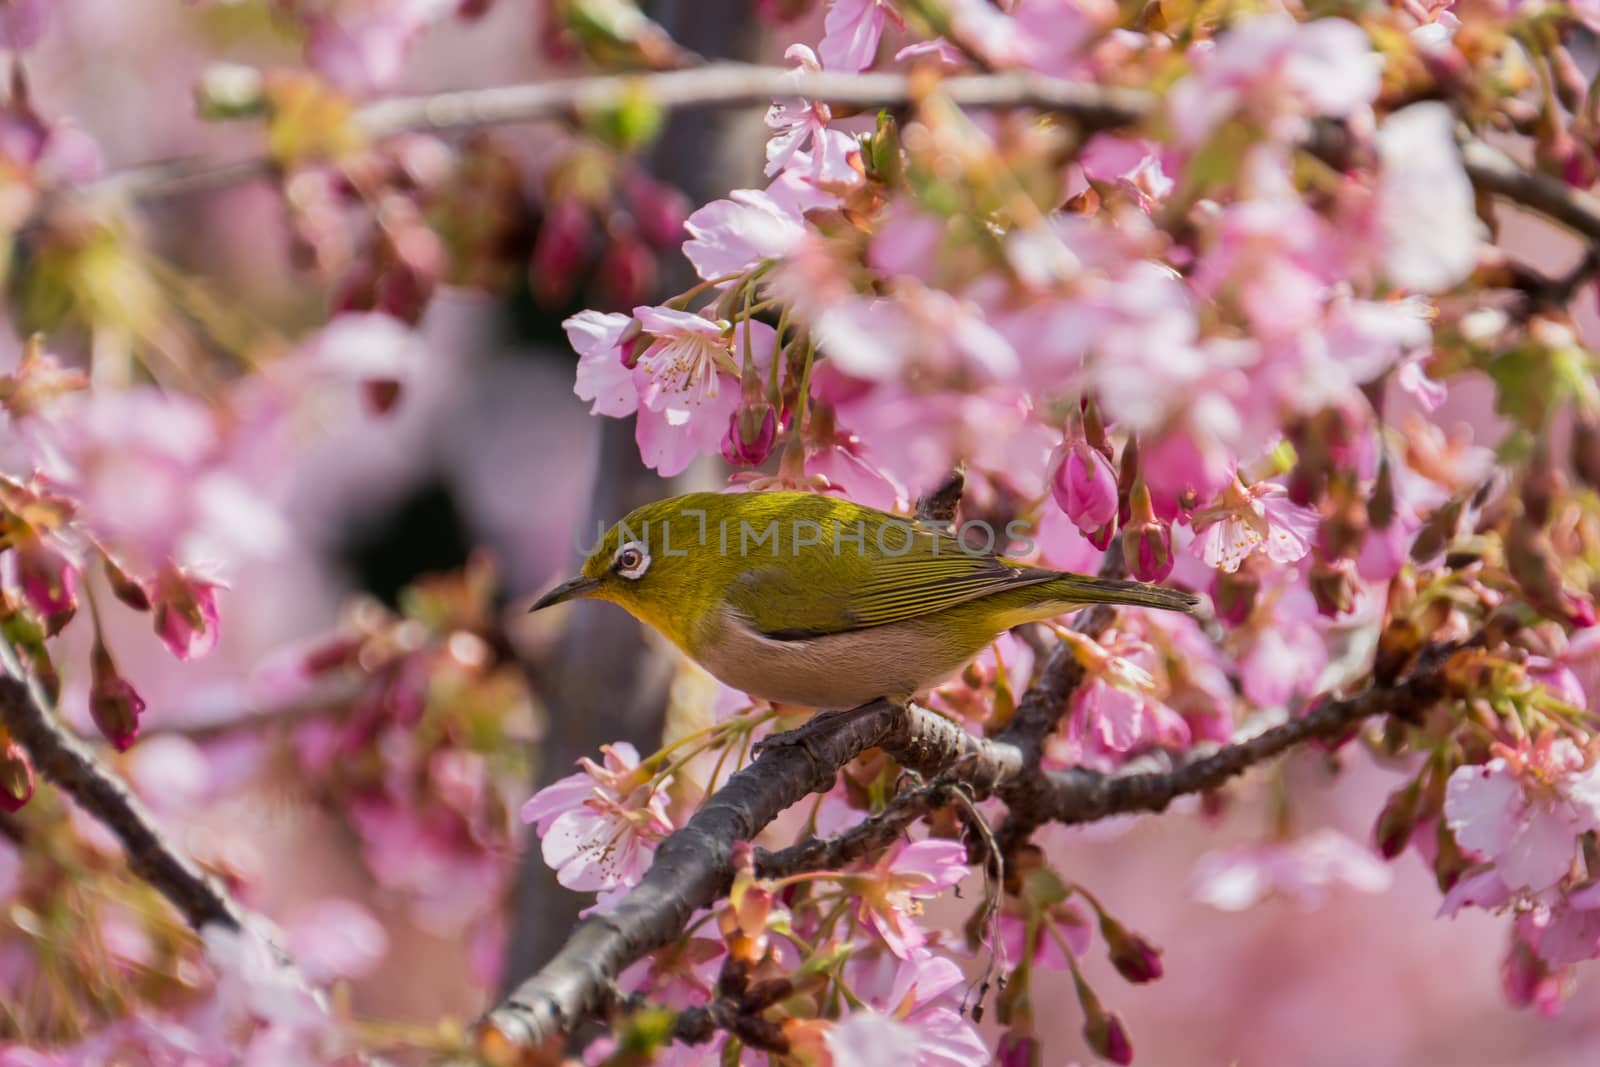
[(568, 590)]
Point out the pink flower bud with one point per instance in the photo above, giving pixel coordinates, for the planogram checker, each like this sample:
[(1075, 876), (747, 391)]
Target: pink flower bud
[(1085, 486), (113, 703), (560, 251), (1334, 586), (658, 209), (1397, 821), (627, 271), (1135, 959), (1109, 1038), (1019, 1050), (1101, 538), (127, 590), (16, 774), (1148, 550), (751, 431), (1234, 594), (186, 614), (49, 583)]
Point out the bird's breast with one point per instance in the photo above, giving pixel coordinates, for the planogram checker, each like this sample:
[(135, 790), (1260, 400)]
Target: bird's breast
[(834, 670)]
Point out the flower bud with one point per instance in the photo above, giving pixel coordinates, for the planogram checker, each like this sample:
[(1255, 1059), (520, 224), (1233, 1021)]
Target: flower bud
[(1528, 980), (1018, 1050), (1085, 486), (751, 432), (658, 209), (1397, 820), (1380, 508), (1533, 564), (1344, 528), (1135, 959), (49, 583), (1334, 586), (1438, 531), (186, 614), (1109, 1038), (127, 590), (1449, 862), (1147, 542), (16, 774), (1234, 594), (1398, 645), (113, 703), (1541, 484), (627, 270), (560, 251)]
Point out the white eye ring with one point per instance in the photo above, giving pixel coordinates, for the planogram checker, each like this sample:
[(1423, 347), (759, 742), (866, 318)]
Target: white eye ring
[(631, 560)]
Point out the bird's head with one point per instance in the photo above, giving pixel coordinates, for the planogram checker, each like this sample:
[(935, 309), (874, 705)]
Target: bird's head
[(662, 563)]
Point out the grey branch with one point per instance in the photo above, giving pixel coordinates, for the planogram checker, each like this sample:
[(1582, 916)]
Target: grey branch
[(68, 763), (693, 866), (730, 85)]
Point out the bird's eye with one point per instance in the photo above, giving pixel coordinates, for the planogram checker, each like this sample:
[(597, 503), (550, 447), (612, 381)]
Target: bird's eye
[(631, 560)]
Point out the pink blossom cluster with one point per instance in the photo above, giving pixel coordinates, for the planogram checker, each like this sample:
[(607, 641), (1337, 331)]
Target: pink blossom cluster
[(1225, 339)]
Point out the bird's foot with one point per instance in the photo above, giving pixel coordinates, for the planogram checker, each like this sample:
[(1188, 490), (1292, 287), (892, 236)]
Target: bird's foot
[(819, 725)]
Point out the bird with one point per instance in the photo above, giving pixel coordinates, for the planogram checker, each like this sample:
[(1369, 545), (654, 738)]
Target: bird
[(811, 599)]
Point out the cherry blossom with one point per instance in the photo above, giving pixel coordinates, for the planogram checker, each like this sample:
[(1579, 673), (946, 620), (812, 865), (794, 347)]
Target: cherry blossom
[(1522, 811), (851, 31), (1248, 519), (600, 827), (891, 895), (1304, 870)]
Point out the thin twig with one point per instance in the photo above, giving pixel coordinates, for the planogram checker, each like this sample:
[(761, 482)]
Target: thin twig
[(722, 85), (68, 763)]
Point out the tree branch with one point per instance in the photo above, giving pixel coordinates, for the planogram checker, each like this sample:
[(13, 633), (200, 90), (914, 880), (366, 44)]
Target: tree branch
[(693, 866), (726, 85), (68, 763)]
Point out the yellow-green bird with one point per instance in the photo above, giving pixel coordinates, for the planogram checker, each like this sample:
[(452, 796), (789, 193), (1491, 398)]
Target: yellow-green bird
[(813, 600)]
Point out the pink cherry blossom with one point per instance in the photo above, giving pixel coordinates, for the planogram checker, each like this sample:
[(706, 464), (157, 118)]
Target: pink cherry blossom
[(922, 990), (733, 235), (1286, 653), (1304, 870), (336, 938), (1110, 722), (891, 895), (1426, 210), (919, 328), (154, 478), (1131, 162), (851, 31), (599, 828), (1523, 811), (603, 377), (23, 22), (1279, 71), (801, 144), (688, 380), (1248, 519), (867, 1039), (362, 47)]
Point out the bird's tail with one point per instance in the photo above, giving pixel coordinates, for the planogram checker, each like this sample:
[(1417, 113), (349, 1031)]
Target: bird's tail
[(1082, 589)]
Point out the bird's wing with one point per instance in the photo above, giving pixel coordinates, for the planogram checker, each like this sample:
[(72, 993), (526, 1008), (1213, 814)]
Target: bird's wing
[(842, 588)]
